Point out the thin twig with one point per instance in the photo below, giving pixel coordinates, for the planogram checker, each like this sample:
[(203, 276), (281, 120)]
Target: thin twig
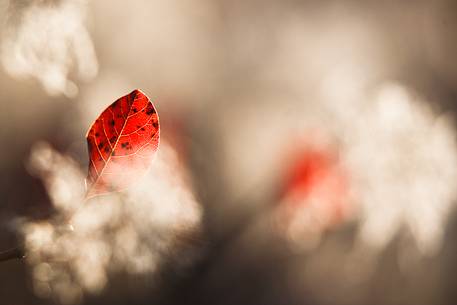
[(15, 253)]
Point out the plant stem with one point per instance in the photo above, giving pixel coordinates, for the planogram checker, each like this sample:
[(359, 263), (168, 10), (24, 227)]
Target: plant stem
[(14, 253)]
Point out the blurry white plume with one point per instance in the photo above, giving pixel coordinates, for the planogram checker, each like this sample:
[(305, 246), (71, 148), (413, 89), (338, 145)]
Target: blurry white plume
[(75, 251), (403, 160), (46, 40)]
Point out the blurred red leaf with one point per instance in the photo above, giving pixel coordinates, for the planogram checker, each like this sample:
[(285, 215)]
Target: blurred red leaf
[(121, 143), (315, 178)]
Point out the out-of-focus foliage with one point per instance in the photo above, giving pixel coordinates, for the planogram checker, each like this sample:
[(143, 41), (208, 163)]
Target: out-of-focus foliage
[(48, 40), (240, 85), (85, 240)]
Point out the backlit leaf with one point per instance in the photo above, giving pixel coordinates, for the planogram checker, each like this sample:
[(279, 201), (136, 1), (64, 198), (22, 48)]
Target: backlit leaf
[(122, 143)]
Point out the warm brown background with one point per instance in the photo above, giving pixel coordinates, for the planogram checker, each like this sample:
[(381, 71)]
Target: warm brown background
[(213, 66)]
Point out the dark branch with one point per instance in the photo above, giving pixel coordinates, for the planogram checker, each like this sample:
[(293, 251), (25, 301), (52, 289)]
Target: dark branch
[(15, 253)]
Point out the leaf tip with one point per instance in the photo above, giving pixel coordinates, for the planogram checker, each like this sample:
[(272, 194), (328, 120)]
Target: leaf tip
[(137, 94)]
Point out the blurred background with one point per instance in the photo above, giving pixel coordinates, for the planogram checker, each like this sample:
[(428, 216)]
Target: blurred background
[(308, 152)]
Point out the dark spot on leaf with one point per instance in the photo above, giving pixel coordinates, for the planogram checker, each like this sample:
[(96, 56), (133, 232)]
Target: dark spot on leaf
[(135, 110), (142, 128), (155, 124), (112, 139), (125, 144), (150, 111), (100, 145), (112, 122), (106, 149), (97, 134)]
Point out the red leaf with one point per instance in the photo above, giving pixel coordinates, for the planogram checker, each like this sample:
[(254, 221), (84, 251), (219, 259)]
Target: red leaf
[(122, 142), (316, 178)]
